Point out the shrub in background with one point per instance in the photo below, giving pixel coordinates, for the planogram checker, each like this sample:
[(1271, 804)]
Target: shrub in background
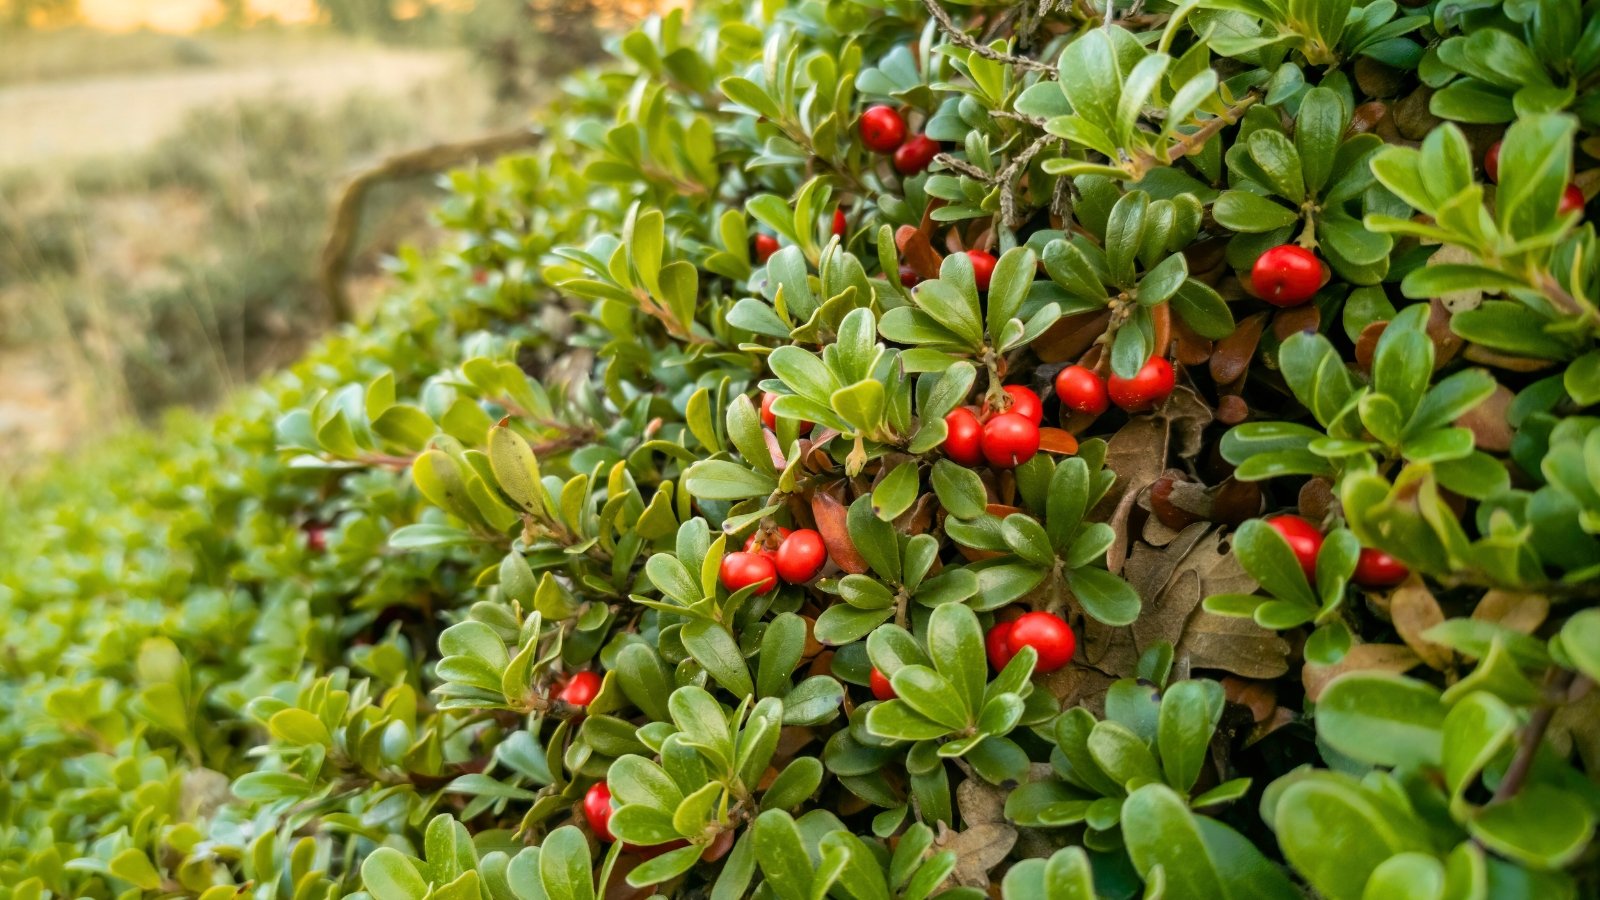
[(511, 594)]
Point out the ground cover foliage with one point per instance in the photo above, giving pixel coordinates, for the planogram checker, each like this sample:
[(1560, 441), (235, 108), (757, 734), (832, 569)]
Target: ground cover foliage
[(389, 623)]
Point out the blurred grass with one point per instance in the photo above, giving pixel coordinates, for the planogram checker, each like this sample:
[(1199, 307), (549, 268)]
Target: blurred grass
[(79, 52), (168, 276)]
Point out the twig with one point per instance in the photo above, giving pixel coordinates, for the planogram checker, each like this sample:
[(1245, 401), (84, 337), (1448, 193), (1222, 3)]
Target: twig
[(426, 161), (1036, 121), (1011, 175), (964, 167), (962, 39), (1193, 141), (1557, 682)]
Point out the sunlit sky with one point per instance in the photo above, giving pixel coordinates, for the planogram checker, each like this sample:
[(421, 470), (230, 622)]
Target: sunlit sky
[(181, 15)]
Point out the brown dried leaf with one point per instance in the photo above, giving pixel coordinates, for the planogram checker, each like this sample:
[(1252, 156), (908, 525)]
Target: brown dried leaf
[(1316, 498), (1412, 117), (1480, 354), (1289, 322), (831, 516), (1491, 431), (1235, 645), (978, 849), (1519, 612), (1414, 610), (1231, 356), (1367, 344), (1190, 416), (917, 251), (1192, 349), (1233, 501), (1446, 343), (1231, 409), (1360, 658), (1069, 337), (980, 802)]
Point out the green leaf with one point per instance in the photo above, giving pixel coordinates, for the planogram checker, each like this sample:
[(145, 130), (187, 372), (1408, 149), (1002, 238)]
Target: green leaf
[(1382, 719), (1008, 286), (1544, 826), (133, 866), (716, 479), (1105, 597), (714, 648), (1160, 832), (1027, 538), (1249, 213), (1407, 876), (1318, 129), (1316, 813), (1203, 310), (1189, 713), (564, 865), (1279, 162), (931, 695), (898, 490), (1266, 555), (386, 873)]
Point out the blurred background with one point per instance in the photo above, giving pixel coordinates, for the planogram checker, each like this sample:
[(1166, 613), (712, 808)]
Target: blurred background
[(168, 169)]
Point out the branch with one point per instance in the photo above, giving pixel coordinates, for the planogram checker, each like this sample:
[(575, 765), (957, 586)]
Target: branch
[(962, 39), (425, 161), (1557, 682)]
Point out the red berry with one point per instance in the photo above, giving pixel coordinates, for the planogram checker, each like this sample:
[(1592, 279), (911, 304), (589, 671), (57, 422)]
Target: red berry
[(915, 155), (756, 543), (840, 225), (909, 277), (1287, 275), (1009, 439), (1025, 403), (580, 689), (982, 267), (1571, 201), (1048, 635), (881, 688), (316, 538), (1304, 539), (597, 811), (998, 645), (1375, 568), (480, 276), (882, 129), (1491, 162), (766, 245), (1081, 390), (801, 556), (964, 442), (770, 419), (741, 569), (1146, 390)]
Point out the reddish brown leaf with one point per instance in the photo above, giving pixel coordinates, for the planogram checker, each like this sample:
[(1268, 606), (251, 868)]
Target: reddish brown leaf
[(1491, 430), (1192, 349), (1480, 354), (1446, 343), (1231, 409), (1316, 498), (1069, 337), (1367, 344), (831, 516), (1231, 356), (1055, 440), (917, 251), (1289, 322)]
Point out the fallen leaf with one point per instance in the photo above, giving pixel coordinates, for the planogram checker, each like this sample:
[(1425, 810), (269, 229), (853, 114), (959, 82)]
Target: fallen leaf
[(1414, 610), (978, 849), (1190, 416), (1055, 440), (917, 251), (1360, 658), (1519, 612), (1488, 421), (1070, 336), (1235, 645)]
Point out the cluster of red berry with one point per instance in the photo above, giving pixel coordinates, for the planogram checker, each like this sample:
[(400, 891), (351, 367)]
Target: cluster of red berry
[(1374, 568), (798, 557), (1083, 390), (1048, 634), (883, 130), (1007, 439)]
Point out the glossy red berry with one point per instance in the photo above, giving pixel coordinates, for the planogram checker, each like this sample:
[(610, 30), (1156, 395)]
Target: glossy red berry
[(882, 129), (765, 245), (756, 543), (1049, 636), (1304, 539), (1025, 403), (982, 267), (1009, 440), (770, 419), (1491, 162), (1375, 568), (840, 225), (881, 688), (580, 689), (740, 569), (964, 441), (316, 538), (597, 811), (909, 277), (1148, 389), (801, 556), (1081, 390), (1571, 201), (915, 155), (1287, 275), (997, 644)]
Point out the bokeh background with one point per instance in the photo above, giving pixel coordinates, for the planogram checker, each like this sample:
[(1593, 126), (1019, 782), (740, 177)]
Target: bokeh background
[(168, 169)]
